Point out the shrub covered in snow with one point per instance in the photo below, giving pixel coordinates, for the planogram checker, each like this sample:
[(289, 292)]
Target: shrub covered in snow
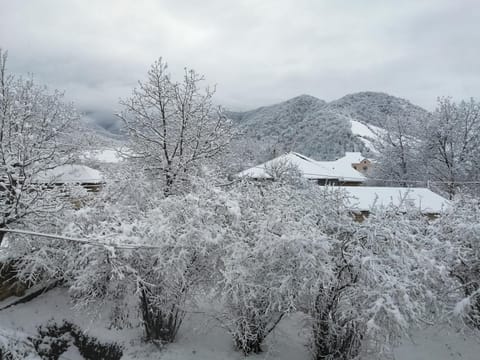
[(15, 345), (158, 250), (272, 250), (262, 251), (459, 234), (385, 282)]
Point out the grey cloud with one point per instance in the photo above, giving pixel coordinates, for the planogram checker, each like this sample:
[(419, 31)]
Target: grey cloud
[(257, 52)]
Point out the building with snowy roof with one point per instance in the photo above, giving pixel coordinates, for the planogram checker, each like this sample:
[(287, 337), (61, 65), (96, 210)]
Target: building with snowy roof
[(348, 174), (89, 178), (366, 199), (338, 172)]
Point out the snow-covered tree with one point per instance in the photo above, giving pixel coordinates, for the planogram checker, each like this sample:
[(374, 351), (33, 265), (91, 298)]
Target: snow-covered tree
[(174, 126), (384, 282), (264, 249), (398, 156), (270, 249), (452, 144), (35, 130), (144, 257), (440, 149), (186, 229), (459, 233), (283, 170)]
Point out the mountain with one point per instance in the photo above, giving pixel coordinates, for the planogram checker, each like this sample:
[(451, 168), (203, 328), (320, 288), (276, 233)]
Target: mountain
[(374, 107), (315, 128), (304, 124)]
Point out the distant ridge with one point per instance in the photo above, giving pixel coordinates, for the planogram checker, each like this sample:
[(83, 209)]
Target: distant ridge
[(313, 127), (373, 107)]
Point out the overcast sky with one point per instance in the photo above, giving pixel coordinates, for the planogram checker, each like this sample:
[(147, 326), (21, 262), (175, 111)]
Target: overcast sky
[(258, 52)]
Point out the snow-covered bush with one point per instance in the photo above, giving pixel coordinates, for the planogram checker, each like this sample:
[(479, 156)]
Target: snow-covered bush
[(54, 339), (459, 235), (100, 276), (15, 345), (35, 259), (265, 249), (284, 171), (271, 250), (158, 250), (385, 281), (185, 230)]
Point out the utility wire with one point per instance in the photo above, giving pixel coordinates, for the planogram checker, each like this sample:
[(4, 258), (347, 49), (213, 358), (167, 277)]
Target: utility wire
[(81, 241)]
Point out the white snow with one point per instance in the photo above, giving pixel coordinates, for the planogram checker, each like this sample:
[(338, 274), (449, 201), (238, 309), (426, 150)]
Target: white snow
[(111, 156), (201, 337), (364, 198), (340, 169), (366, 133), (309, 168), (439, 344), (73, 173), (72, 353)]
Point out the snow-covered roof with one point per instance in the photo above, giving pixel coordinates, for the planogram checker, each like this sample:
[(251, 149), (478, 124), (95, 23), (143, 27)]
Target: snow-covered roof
[(340, 169), (366, 198), (71, 174)]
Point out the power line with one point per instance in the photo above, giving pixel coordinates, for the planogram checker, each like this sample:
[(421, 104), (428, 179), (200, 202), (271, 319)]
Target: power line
[(81, 241)]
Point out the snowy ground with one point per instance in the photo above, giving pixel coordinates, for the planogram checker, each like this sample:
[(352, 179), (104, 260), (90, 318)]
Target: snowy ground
[(201, 338), (439, 344)]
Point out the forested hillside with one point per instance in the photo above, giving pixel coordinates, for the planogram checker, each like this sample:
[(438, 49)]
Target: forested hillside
[(314, 127), (374, 107)]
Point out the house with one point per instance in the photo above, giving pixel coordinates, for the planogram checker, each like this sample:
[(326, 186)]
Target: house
[(364, 166), (338, 172), (365, 199), (90, 179), (348, 174), (346, 168)]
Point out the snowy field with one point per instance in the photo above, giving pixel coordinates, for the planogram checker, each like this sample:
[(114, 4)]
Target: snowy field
[(201, 337)]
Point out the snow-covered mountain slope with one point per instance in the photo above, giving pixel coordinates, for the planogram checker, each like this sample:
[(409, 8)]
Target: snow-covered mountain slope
[(303, 124), (374, 107), (318, 129), (364, 130), (367, 133)]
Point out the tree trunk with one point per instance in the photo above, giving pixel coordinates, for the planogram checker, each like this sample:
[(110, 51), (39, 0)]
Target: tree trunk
[(160, 324), (2, 234)]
